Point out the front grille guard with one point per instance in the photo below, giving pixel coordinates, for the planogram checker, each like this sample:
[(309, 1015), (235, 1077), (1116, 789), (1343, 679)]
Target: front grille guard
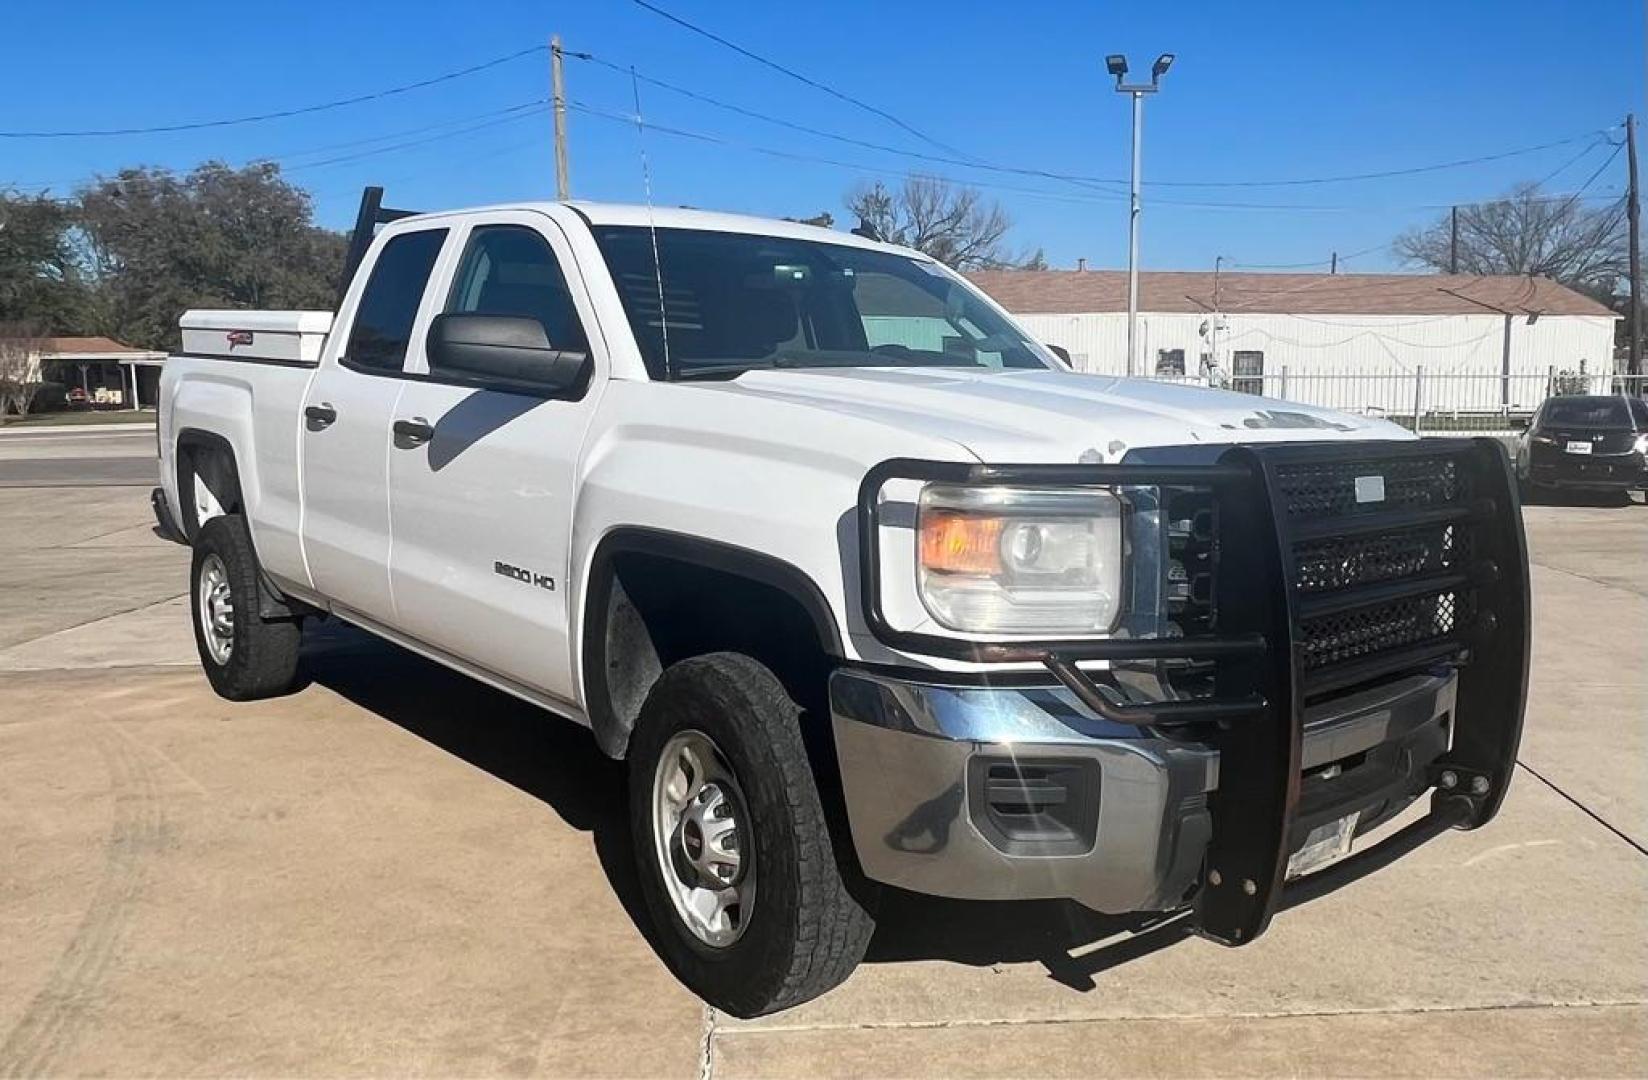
[(1254, 716)]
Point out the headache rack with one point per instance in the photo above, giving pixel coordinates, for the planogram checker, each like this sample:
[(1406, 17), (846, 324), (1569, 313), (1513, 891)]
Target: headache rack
[(368, 217), (1311, 568)]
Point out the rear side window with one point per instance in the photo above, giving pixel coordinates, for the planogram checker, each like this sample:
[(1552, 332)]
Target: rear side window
[(389, 305), (510, 270)]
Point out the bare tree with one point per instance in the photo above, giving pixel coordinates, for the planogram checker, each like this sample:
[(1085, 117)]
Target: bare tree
[(955, 225), (1526, 232), (19, 346)]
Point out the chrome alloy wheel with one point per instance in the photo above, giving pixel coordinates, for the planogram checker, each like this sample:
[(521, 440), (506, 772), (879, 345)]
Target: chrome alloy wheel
[(217, 609), (701, 836)]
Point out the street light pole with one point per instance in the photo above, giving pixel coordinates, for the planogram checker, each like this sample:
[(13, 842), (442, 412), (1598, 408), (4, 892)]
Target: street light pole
[(1133, 244), (1116, 65)]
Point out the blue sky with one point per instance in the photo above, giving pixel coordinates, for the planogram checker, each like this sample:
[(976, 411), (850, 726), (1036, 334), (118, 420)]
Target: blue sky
[(1261, 91)]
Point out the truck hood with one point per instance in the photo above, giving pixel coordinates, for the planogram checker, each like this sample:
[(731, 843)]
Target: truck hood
[(1055, 416)]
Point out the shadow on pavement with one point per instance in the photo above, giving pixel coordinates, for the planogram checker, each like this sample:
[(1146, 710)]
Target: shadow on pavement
[(558, 763), (552, 760)]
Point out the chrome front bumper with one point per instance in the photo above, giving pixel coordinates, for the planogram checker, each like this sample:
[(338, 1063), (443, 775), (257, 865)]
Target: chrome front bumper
[(931, 772)]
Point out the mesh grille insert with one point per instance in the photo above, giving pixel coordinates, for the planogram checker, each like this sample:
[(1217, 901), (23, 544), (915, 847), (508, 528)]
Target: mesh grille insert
[(1327, 489), (1323, 492), (1363, 632), (1341, 562)]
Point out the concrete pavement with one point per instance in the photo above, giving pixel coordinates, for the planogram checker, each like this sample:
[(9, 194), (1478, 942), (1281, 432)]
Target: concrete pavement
[(396, 870)]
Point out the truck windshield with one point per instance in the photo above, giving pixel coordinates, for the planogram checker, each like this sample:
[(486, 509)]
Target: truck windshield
[(735, 301)]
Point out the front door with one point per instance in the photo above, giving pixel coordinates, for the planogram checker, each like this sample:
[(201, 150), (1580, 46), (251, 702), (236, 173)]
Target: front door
[(345, 429), (482, 480)]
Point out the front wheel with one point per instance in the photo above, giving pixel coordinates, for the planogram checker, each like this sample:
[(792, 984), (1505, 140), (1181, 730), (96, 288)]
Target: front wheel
[(736, 861), (245, 656)]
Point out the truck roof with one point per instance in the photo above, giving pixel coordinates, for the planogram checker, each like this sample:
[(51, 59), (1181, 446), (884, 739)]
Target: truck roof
[(668, 217)]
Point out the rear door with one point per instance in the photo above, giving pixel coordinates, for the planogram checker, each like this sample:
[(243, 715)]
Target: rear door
[(481, 496), (345, 427)]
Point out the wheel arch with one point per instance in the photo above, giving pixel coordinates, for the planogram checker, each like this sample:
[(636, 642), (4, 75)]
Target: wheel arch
[(212, 457), (744, 600)]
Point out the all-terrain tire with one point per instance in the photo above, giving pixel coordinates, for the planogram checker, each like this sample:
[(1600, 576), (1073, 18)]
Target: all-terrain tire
[(262, 658), (806, 933)]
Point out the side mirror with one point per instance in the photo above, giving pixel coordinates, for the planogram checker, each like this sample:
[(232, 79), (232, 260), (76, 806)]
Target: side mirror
[(512, 352), (1059, 351), (1522, 423)]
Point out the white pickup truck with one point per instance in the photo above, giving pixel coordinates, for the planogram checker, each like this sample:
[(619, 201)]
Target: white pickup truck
[(867, 587)]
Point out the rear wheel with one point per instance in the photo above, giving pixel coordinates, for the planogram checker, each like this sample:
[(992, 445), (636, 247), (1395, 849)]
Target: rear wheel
[(245, 657), (736, 862)]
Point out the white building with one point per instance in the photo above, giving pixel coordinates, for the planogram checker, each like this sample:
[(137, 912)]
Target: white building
[(1368, 342)]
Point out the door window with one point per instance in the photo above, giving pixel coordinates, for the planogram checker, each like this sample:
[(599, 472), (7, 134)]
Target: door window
[(1248, 369), (510, 270), (389, 304)]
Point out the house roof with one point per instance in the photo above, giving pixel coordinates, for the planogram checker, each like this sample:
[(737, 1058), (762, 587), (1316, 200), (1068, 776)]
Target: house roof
[(87, 346), (1059, 292)]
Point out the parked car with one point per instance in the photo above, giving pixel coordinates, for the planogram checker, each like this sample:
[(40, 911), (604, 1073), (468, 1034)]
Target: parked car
[(862, 582), (1585, 443)]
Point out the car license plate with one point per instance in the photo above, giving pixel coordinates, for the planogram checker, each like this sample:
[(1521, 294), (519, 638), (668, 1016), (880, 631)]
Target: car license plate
[(1325, 844), (1579, 448)]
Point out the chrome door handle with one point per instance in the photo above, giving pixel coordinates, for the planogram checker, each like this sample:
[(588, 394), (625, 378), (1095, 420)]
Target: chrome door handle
[(410, 434), (320, 416)]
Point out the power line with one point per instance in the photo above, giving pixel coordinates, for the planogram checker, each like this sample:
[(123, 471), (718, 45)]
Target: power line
[(1387, 173), (1609, 160), (1313, 262), (498, 119), (283, 158), (789, 155), (1077, 178), (796, 75), (968, 163), (281, 114), (1096, 197)]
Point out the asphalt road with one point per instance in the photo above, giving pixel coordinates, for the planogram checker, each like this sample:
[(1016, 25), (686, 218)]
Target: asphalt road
[(397, 871), (114, 456)]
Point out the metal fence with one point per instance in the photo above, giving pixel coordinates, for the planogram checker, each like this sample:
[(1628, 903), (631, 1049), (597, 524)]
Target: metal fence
[(1435, 404)]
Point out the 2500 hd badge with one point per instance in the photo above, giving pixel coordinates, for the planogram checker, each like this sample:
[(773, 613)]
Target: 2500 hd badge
[(519, 573)]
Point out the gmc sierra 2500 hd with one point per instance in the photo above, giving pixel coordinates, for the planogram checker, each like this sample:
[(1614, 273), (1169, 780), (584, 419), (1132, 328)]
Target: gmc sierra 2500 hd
[(865, 585)]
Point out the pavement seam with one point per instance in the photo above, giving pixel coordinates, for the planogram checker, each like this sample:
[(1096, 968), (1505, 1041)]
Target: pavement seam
[(706, 1046), (1587, 577), (89, 622), (1028, 1021), (1586, 810)]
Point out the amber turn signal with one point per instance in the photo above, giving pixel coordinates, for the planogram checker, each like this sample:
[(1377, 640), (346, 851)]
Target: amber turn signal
[(957, 543)]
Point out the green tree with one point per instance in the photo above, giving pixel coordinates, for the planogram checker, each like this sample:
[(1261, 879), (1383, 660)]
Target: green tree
[(41, 280), (158, 243)]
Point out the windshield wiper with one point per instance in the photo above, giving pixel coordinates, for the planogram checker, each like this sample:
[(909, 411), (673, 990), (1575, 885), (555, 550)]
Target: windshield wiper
[(722, 371)]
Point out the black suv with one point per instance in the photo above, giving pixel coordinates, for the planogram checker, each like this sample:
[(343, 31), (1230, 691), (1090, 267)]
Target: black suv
[(1585, 442)]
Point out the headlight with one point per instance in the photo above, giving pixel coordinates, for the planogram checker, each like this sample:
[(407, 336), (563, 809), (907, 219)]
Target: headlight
[(1543, 440), (1020, 560), (1641, 445)]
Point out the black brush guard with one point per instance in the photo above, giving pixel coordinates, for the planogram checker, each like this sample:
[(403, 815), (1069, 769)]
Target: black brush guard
[(1296, 623)]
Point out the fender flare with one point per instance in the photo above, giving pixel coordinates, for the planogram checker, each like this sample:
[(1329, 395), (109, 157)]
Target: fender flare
[(272, 603), (612, 731)]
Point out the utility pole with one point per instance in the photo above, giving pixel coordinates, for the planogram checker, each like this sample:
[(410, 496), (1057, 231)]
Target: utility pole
[(1633, 222), (1116, 65), (1333, 265), (563, 187), (1453, 241)]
